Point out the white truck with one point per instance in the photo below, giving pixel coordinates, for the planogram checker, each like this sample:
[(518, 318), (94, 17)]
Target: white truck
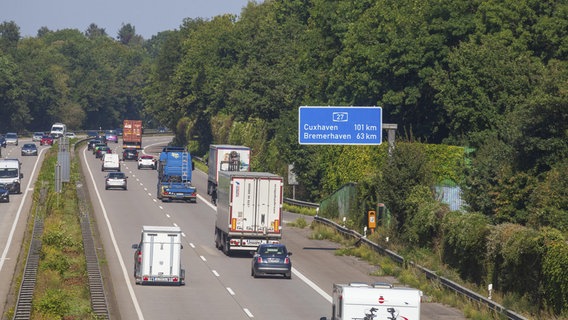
[(224, 157), (249, 210), (157, 259), (378, 301), (11, 174)]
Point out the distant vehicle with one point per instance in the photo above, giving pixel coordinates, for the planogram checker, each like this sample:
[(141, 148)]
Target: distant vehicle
[(29, 149), (92, 143), (157, 259), (71, 135), (58, 130), (130, 154), (97, 146), (111, 136), (37, 136), (147, 161), (46, 140), (2, 141), (110, 162), (119, 131), (374, 301), (271, 259), (225, 158), (116, 180), (132, 134), (12, 138), (4, 193), (102, 151), (11, 174)]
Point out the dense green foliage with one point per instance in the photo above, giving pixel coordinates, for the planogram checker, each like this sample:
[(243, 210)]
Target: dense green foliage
[(488, 75)]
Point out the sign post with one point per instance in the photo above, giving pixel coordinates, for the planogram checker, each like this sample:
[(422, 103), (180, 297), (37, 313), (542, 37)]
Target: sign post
[(340, 125)]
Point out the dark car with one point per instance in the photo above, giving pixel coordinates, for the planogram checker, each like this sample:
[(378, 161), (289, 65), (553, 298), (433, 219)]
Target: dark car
[(130, 154), (97, 146), (91, 134), (271, 259), (46, 140), (102, 151), (4, 193), (2, 141), (92, 143), (29, 149)]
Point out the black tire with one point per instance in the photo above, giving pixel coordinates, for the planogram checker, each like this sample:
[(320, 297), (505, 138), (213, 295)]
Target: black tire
[(288, 276)]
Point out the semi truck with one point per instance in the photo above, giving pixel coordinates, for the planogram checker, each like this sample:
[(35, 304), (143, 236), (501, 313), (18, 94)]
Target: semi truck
[(157, 259), (249, 210), (132, 134), (11, 174), (174, 176), (225, 158), (375, 301)]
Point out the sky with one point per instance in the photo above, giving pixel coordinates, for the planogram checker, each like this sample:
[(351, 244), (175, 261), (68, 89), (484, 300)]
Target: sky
[(147, 16)]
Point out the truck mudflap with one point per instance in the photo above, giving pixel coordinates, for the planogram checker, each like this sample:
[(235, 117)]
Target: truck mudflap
[(178, 192)]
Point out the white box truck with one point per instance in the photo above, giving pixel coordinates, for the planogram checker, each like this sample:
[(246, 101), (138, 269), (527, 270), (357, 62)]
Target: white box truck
[(11, 174), (157, 259), (249, 210), (378, 301), (224, 157)]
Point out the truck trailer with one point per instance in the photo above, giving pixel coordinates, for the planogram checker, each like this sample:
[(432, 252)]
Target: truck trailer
[(132, 134), (157, 259), (249, 210), (11, 174), (225, 158), (377, 301), (174, 177)]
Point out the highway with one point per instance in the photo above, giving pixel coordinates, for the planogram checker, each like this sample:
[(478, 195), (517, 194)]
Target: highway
[(14, 215), (217, 286)]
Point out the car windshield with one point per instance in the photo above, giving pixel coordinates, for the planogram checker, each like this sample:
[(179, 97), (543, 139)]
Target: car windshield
[(116, 175), (29, 146), (11, 135), (8, 173)]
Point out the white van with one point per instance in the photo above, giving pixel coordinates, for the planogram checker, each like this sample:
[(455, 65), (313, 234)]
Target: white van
[(58, 130), (110, 162), (11, 174), (375, 301)]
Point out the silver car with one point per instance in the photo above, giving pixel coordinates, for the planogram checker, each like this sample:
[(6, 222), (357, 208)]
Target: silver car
[(116, 180), (37, 136), (12, 138)]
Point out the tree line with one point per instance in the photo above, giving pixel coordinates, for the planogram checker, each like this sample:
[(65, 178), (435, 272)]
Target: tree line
[(491, 76)]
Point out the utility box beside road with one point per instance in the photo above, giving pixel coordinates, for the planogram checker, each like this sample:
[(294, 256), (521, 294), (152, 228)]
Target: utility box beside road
[(249, 210)]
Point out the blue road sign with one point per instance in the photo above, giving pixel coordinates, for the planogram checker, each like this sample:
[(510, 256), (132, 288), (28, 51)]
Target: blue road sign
[(340, 125)]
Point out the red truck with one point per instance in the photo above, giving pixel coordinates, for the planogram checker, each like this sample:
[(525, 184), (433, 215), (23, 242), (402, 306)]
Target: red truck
[(132, 134)]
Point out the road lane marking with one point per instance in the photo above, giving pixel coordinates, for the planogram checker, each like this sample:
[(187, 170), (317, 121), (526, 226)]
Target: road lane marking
[(114, 243), (231, 291), (215, 273), (203, 258), (19, 212), (248, 313), (312, 285)]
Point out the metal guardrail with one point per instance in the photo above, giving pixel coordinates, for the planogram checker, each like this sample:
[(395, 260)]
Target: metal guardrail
[(300, 203), (431, 275)]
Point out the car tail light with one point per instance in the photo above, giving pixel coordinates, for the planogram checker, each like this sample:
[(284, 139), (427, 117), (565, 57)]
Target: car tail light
[(140, 257), (287, 260), (259, 259)]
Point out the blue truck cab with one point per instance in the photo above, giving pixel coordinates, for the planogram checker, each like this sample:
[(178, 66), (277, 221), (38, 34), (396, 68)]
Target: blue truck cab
[(174, 175)]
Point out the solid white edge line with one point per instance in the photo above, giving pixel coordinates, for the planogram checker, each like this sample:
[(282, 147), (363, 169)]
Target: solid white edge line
[(249, 314), (18, 213), (115, 244), (312, 285)]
